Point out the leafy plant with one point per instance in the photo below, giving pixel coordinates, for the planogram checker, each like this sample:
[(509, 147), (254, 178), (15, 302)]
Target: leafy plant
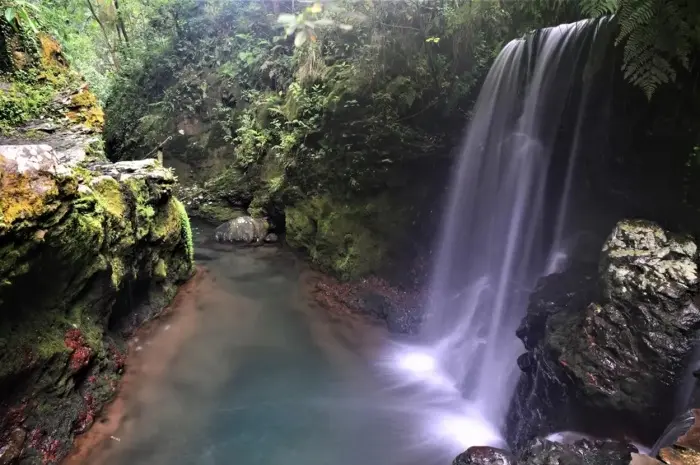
[(21, 14)]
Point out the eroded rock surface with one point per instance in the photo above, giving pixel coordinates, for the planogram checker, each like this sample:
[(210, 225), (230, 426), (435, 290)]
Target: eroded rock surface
[(88, 250), (606, 355)]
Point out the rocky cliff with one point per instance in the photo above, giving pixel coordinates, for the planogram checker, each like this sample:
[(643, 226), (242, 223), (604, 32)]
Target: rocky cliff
[(607, 349), (88, 250)]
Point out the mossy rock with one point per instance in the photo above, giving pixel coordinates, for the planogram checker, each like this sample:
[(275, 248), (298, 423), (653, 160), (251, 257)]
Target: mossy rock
[(87, 249), (335, 236)]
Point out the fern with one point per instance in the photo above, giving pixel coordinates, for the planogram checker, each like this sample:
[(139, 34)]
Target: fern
[(657, 35), (596, 8)]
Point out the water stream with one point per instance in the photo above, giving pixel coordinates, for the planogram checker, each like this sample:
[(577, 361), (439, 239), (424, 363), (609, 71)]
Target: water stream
[(249, 370)]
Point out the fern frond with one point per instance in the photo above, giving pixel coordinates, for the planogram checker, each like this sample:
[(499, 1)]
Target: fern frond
[(597, 8), (633, 15)]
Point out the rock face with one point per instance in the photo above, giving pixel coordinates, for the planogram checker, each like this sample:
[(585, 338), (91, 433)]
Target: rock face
[(606, 355), (244, 229), (88, 250)]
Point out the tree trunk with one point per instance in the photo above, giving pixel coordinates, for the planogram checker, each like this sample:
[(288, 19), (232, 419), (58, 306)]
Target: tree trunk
[(120, 23), (115, 59)]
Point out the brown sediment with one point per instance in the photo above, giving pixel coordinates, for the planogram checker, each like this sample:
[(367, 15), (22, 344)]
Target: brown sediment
[(334, 317), (163, 337)]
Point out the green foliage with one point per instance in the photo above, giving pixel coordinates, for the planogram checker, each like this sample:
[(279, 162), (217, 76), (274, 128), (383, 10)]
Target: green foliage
[(23, 101), (21, 14), (334, 236), (659, 37), (596, 8)]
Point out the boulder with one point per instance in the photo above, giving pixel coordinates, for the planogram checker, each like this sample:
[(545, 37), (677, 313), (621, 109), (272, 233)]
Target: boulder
[(88, 250), (606, 356), (484, 456), (245, 229)]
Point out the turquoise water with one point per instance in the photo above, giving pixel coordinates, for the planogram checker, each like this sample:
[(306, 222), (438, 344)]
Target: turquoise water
[(266, 377)]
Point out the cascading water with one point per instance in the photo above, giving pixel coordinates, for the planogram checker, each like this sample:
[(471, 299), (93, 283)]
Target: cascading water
[(509, 200)]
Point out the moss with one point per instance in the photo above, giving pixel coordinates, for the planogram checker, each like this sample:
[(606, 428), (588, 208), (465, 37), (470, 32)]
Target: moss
[(186, 230), (167, 223), (217, 212), (335, 237), (110, 196), (84, 99), (23, 195), (118, 271), (160, 270), (51, 54), (86, 110), (23, 102), (143, 212)]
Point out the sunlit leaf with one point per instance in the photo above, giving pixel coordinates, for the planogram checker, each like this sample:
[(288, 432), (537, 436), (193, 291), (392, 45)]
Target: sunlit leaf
[(300, 38), (30, 22), (316, 7), (286, 18), (324, 22), (10, 15)]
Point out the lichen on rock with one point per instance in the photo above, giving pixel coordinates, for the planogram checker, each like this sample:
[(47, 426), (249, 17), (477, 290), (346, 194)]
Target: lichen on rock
[(88, 250)]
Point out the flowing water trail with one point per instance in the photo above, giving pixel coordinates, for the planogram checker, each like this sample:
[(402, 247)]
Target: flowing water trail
[(248, 370)]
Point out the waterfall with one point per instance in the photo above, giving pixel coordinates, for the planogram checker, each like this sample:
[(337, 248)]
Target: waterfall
[(510, 199)]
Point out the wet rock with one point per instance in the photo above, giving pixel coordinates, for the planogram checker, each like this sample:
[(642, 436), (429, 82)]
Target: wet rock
[(245, 229), (12, 448), (375, 304), (271, 238), (400, 317), (606, 356), (404, 319), (584, 452), (484, 456)]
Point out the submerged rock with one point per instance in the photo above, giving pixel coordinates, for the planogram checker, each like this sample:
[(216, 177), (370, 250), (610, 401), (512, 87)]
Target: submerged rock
[(606, 356), (244, 229), (88, 250)]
